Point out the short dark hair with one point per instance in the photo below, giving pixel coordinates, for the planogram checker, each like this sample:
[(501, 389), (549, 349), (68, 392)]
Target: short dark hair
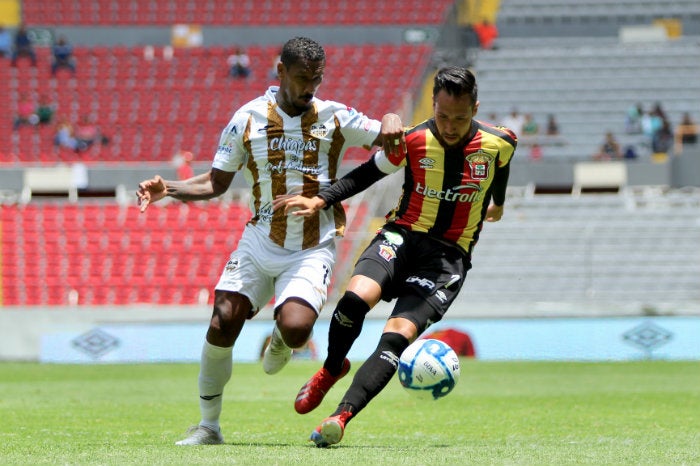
[(301, 49), (456, 81)]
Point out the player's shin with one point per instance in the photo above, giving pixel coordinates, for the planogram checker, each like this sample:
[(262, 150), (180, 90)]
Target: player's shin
[(215, 372), (375, 373), (345, 327)]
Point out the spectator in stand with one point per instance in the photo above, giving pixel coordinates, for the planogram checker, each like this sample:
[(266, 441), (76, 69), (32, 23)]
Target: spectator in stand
[(687, 131), (630, 152), (552, 126), (487, 33), (609, 149), (25, 112), (88, 133), (64, 137), (5, 42), (515, 122), (530, 126), (530, 136), (659, 110), (651, 124), (45, 110), (663, 138), (62, 56), (633, 120), (239, 64), (23, 46), (535, 152), (183, 165), (657, 129)]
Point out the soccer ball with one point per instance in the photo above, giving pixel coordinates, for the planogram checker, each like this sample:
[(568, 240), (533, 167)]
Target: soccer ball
[(429, 368)]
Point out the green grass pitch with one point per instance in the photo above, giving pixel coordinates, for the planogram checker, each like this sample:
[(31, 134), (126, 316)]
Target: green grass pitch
[(642, 412)]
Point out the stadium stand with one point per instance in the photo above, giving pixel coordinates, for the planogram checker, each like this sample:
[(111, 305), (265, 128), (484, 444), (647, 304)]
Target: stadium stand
[(98, 254), (589, 85), (151, 109), (221, 12), (638, 246), (589, 18)]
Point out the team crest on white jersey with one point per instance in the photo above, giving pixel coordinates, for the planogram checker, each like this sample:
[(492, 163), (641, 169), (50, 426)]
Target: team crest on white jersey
[(231, 265), (480, 164), (318, 130)]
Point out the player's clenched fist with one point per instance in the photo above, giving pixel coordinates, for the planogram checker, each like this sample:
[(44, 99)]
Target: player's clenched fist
[(150, 191)]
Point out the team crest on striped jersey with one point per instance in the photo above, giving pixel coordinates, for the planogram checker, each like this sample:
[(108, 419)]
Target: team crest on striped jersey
[(480, 164), (387, 252), (231, 265), (318, 130)]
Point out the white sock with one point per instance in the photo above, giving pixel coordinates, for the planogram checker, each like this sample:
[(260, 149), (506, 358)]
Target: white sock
[(277, 335), (214, 373)]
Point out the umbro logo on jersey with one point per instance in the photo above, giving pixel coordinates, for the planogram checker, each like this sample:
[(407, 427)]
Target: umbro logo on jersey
[(426, 163), (264, 128)]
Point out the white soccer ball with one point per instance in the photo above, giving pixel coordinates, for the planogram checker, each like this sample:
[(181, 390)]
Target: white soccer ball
[(429, 368)]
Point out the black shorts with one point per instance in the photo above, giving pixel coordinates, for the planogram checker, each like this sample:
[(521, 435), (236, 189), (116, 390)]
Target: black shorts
[(424, 274)]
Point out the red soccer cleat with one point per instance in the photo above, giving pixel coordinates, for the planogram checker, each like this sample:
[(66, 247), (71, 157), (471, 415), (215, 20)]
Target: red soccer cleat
[(312, 392), (331, 430)]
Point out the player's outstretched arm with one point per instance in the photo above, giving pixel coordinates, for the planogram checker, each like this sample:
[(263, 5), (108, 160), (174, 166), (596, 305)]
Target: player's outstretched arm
[(200, 187), (357, 180)]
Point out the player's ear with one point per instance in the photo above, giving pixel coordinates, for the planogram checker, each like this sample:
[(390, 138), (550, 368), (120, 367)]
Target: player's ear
[(475, 109), (281, 70)]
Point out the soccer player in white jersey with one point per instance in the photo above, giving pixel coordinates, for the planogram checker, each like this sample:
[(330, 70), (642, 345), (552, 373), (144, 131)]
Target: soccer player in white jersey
[(285, 142)]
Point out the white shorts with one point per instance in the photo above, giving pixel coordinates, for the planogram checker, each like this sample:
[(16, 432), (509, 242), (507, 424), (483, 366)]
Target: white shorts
[(259, 270)]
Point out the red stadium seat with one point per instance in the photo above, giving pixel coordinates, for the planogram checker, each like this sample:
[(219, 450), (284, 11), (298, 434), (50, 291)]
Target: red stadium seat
[(114, 255)]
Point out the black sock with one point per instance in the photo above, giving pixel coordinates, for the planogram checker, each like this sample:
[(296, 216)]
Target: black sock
[(346, 325), (374, 374)]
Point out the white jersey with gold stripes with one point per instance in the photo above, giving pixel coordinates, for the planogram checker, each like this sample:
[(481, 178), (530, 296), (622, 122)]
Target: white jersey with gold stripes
[(279, 154)]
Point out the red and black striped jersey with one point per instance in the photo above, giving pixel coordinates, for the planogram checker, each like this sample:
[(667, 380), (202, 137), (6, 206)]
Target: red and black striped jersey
[(447, 190)]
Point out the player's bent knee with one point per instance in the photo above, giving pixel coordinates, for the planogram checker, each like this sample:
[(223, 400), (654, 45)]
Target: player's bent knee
[(296, 337)]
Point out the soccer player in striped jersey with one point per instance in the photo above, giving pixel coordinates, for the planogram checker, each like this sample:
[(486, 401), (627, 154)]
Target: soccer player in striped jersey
[(456, 171), (285, 142)]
